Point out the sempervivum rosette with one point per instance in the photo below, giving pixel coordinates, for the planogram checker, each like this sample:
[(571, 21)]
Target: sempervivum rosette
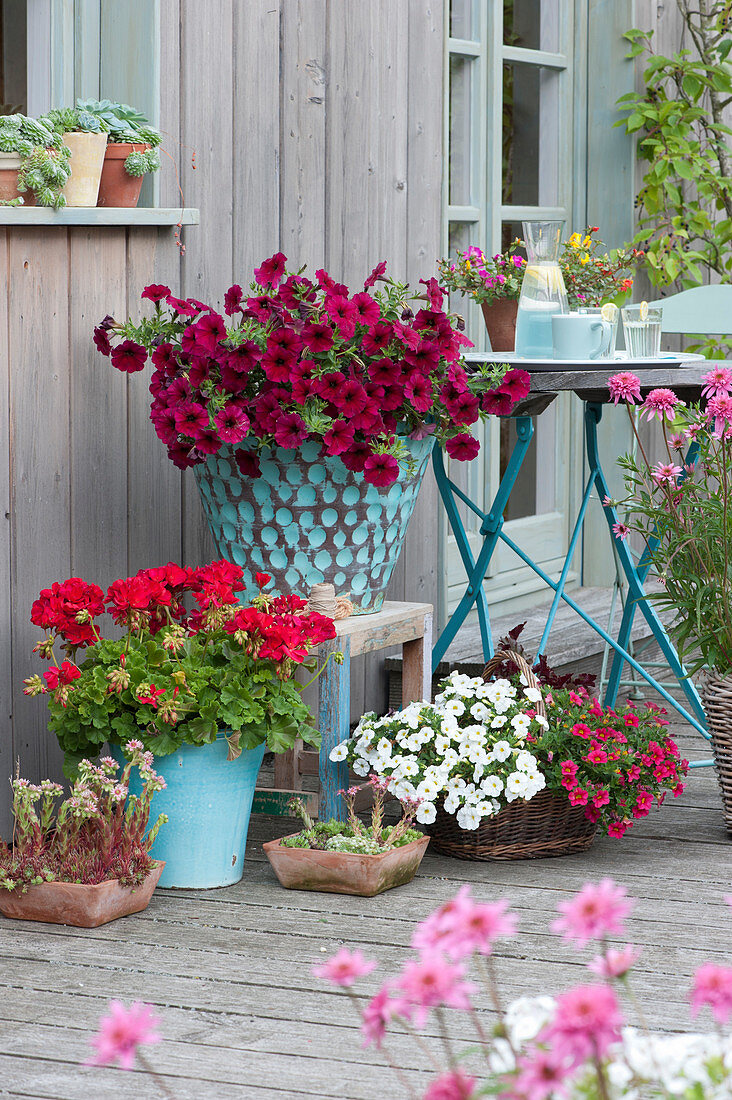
[(469, 749)]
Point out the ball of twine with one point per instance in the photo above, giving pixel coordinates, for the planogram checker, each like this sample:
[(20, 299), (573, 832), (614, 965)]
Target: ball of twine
[(323, 600)]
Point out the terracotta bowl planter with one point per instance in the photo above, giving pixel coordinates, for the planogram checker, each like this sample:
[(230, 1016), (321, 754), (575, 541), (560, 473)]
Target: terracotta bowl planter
[(500, 320), (9, 168), (87, 158), (116, 188), (345, 872), (78, 905)]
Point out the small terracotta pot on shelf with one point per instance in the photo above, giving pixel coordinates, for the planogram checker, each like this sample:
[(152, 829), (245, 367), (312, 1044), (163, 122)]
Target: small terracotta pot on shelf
[(500, 320), (9, 168), (116, 187), (79, 905), (345, 872)]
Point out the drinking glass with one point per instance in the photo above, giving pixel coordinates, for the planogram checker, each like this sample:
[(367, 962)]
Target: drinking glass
[(642, 328), (611, 314)]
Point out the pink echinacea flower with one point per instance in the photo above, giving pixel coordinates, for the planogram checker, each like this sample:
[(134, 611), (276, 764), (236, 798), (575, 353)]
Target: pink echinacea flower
[(713, 987), (624, 387), (344, 967), (595, 911), (717, 381), (455, 1085), (661, 403), (121, 1032), (616, 962), (665, 472)]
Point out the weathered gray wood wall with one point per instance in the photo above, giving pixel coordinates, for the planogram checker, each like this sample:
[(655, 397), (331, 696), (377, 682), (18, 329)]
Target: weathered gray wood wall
[(316, 127)]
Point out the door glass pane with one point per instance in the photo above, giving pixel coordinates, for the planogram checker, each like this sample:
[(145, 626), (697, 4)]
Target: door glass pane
[(13, 88), (461, 19), (531, 24), (461, 74), (531, 128)]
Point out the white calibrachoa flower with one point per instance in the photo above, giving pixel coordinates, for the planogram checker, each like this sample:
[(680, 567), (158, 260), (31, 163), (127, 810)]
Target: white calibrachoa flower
[(469, 753)]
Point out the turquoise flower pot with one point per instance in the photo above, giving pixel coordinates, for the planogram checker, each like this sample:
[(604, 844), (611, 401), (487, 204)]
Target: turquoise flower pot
[(208, 800), (308, 519)]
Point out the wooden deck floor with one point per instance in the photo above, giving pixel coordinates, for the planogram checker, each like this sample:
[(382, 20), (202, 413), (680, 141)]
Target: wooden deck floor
[(229, 971)]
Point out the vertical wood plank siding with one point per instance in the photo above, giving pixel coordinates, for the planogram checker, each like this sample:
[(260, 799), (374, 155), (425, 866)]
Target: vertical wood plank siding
[(316, 127)]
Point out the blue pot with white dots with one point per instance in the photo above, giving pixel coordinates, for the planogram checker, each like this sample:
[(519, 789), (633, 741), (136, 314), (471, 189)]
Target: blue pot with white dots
[(308, 519)]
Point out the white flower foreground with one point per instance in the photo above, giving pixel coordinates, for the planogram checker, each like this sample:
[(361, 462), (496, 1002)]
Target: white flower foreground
[(469, 748)]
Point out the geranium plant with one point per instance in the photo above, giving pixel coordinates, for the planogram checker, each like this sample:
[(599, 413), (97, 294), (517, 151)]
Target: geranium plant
[(483, 745), (575, 1045), (99, 832), (302, 360), (485, 279), (175, 676), (353, 835), (682, 507)]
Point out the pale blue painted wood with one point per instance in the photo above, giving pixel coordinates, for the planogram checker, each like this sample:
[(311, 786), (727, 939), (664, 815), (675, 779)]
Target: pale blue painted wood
[(92, 215), (703, 309), (335, 703)]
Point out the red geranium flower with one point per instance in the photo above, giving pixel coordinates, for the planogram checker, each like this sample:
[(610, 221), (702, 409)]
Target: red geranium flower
[(262, 579), (62, 676), (129, 357)]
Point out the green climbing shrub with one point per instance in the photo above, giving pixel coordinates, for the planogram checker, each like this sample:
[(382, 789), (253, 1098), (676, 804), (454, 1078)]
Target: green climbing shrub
[(684, 204)]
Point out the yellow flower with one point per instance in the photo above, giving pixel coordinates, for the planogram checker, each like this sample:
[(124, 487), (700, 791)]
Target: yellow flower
[(575, 240), (467, 264), (586, 242), (584, 259)]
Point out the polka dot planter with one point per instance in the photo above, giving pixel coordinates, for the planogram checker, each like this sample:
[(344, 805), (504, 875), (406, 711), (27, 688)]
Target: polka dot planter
[(308, 519)]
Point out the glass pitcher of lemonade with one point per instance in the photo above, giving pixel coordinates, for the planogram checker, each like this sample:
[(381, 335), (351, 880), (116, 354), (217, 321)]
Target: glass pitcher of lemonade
[(542, 291)]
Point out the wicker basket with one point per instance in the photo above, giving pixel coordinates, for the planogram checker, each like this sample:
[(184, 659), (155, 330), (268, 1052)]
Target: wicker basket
[(547, 825), (717, 696)]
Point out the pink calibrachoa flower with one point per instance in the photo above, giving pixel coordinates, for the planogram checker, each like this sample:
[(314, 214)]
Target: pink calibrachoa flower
[(463, 926), (713, 987), (717, 381), (661, 403), (624, 387), (616, 962), (595, 911), (345, 967), (121, 1032), (455, 1085), (665, 472)]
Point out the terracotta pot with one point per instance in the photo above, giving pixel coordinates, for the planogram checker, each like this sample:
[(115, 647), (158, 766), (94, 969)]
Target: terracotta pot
[(116, 188), (78, 905), (500, 320), (345, 872), (9, 168), (87, 158)]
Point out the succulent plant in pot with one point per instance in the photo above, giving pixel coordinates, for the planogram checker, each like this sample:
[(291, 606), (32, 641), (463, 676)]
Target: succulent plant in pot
[(34, 163), (132, 150), (85, 136)]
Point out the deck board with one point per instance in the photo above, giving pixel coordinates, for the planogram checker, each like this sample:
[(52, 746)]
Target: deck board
[(229, 971)]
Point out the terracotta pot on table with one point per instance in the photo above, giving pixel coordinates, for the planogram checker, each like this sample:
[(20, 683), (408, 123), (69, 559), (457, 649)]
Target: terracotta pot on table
[(500, 320), (116, 187)]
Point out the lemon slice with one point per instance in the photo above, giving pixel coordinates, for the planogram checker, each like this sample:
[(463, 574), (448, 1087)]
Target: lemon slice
[(643, 311), (609, 312)]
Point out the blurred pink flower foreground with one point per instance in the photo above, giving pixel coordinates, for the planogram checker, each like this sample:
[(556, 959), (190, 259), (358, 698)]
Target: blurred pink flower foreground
[(121, 1032)]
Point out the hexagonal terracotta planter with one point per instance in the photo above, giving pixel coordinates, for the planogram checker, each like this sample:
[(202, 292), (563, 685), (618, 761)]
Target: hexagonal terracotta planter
[(345, 872), (79, 905)]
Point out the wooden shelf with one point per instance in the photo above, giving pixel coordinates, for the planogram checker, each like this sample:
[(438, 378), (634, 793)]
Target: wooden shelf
[(97, 215)]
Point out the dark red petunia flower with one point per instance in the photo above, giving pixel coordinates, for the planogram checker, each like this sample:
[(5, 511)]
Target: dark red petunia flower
[(434, 292), (208, 441), (393, 397), (129, 357), (248, 463), (418, 390), (181, 455), (270, 273), (368, 310), (496, 403), (233, 299), (329, 386), (355, 457), (155, 292), (164, 358), (244, 356), (191, 418), (101, 341), (384, 372), (338, 438), (425, 357), (342, 313), (516, 384), (381, 470), (181, 306), (210, 330), (278, 364), (317, 337), (232, 424), (378, 338), (462, 447), (351, 398), (290, 430), (375, 274)]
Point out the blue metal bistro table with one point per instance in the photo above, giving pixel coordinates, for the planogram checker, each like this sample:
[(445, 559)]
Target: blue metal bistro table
[(682, 373)]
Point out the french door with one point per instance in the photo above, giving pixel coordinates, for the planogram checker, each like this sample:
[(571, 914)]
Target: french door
[(513, 140)]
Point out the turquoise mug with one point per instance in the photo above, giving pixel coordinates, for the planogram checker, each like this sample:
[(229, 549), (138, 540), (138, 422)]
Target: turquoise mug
[(580, 336)]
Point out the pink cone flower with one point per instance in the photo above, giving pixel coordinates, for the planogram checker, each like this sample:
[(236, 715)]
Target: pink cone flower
[(621, 531), (624, 387), (541, 1075), (719, 410), (665, 472), (717, 381), (586, 1023), (713, 987), (596, 911), (661, 403), (616, 962), (433, 980), (345, 967), (121, 1032), (377, 1014), (456, 1085), (463, 926)]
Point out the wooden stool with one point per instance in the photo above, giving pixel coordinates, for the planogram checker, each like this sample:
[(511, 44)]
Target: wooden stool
[(405, 624)]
